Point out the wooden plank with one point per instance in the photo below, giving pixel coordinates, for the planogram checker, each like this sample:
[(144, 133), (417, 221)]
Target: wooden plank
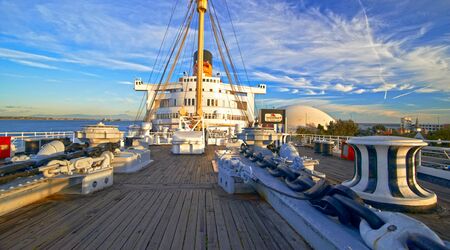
[(211, 229), (268, 227), (190, 234), (18, 218), (249, 225), (157, 226), (181, 227), (232, 230), (240, 226), (174, 220), (144, 228), (13, 223), (103, 229), (54, 227), (117, 241), (114, 227), (165, 228), (83, 228), (201, 234), (224, 241), (286, 231)]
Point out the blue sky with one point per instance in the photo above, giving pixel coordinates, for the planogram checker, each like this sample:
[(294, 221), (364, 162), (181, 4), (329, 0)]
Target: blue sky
[(80, 57)]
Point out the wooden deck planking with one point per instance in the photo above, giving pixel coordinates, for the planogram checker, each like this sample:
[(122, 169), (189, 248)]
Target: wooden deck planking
[(188, 240), (44, 230), (152, 241), (242, 231), (117, 241), (211, 228), (338, 170), (200, 236), (231, 227), (146, 227), (175, 203)]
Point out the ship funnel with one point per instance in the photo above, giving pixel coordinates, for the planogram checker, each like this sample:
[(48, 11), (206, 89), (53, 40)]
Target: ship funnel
[(207, 62)]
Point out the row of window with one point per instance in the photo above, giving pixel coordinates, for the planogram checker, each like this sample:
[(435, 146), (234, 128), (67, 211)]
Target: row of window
[(167, 116), (190, 89), (224, 116), (165, 103), (213, 102), (189, 102), (205, 115), (204, 80)]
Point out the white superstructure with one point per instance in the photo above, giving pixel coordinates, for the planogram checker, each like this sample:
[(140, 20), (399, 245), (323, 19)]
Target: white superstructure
[(224, 106)]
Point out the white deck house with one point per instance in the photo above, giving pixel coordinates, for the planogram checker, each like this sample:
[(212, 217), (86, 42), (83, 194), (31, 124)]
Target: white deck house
[(224, 106)]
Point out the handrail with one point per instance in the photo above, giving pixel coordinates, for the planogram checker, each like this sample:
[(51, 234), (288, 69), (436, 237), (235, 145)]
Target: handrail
[(34, 133), (348, 137), (18, 138)]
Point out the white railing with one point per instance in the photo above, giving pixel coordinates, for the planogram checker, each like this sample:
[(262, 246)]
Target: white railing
[(18, 138), (438, 157), (159, 138), (310, 138), (431, 156)]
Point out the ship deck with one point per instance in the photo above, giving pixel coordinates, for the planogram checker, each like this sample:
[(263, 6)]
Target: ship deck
[(175, 203), (338, 170)]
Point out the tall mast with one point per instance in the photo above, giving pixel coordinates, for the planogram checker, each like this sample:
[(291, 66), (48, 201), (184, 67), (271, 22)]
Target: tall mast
[(201, 8)]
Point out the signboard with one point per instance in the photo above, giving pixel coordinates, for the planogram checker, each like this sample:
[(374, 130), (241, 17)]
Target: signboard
[(273, 116), (5, 147)]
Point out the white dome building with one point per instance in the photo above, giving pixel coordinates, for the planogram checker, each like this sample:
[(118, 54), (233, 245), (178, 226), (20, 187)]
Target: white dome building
[(302, 115)]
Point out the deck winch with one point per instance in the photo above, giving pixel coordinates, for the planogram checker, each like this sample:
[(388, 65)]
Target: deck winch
[(93, 173), (385, 173)]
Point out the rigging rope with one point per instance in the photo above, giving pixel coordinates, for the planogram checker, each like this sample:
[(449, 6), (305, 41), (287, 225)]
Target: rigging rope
[(230, 79), (239, 49), (141, 105), (237, 41), (186, 31), (177, 40)]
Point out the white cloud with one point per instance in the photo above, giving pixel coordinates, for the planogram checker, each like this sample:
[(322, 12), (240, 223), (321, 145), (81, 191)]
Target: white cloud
[(283, 89), (331, 46), (405, 87), (125, 82), (312, 92), (15, 54), (426, 90), (34, 64), (384, 87), (297, 82), (359, 91), (343, 88), (84, 58), (295, 91)]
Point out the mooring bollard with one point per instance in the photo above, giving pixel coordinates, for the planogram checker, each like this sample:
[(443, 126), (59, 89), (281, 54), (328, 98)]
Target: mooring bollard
[(385, 173)]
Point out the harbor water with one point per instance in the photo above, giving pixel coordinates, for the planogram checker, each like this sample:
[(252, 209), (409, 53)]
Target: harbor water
[(54, 125)]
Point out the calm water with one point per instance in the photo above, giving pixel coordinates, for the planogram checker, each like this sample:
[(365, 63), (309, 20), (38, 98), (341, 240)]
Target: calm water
[(41, 126)]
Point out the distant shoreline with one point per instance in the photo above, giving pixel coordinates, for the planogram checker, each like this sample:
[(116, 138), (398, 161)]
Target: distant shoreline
[(55, 119)]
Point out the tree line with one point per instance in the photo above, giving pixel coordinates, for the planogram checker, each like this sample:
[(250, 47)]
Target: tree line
[(350, 128)]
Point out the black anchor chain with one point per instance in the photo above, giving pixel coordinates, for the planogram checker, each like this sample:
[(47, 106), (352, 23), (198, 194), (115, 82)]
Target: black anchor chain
[(333, 200)]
